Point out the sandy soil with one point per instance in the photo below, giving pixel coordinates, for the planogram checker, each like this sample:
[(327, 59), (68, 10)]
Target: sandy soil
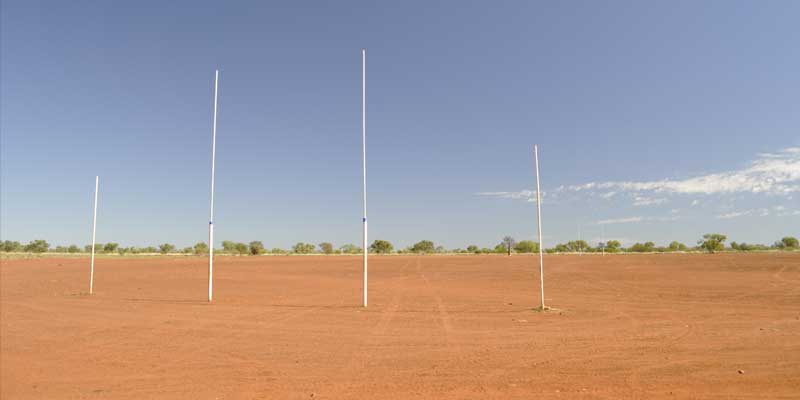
[(637, 326)]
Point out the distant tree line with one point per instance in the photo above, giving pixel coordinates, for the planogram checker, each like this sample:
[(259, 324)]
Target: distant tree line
[(711, 243)]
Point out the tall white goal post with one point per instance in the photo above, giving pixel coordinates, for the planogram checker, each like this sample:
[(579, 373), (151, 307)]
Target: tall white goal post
[(364, 161), (211, 211), (94, 234), (539, 219)]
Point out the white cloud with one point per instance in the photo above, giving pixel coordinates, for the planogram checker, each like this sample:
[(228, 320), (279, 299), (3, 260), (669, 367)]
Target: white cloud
[(628, 220), (760, 212), (734, 214), (509, 195), (528, 195), (620, 220), (771, 173), (782, 211), (608, 195), (648, 201), (779, 211), (775, 174)]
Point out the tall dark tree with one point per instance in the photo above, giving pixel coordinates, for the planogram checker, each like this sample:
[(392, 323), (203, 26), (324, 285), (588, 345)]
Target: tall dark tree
[(508, 243)]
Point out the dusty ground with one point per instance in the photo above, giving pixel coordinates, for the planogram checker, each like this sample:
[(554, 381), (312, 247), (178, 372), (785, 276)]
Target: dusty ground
[(638, 326)]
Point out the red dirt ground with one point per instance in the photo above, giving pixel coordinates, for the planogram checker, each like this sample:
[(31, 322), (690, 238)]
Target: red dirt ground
[(636, 326)]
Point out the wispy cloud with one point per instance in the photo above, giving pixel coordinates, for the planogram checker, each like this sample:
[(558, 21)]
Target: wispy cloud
[(648, 201), (770, 173), (782, 211), (775, 174), (779, 211), (761, 212), (625, 220), (628, 220), (608, 195), (510, 195), (527, 195)]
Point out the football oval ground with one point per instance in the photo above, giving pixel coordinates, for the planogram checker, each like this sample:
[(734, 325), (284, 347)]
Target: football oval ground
[(460, 327)]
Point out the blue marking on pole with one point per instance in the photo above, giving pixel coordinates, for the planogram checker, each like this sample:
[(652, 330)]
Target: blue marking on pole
[(210, 223), (364, 219)]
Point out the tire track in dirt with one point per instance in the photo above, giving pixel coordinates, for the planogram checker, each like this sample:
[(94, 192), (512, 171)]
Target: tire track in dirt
[(353, 367), (634, 379), (355, 370), (444, 317), (391, 310), (778, 276)]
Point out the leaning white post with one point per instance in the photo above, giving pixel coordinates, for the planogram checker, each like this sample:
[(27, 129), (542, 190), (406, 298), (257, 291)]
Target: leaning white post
[(94, 231), (364, 159), (539, 213), (211, 212)]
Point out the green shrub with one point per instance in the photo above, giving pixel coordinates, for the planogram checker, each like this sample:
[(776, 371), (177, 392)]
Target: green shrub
[(381, 247), (165, 248), (326, 248), (37, 246), (422, 247), (303, 248), (527, 246), (256, 248), (712, 242)]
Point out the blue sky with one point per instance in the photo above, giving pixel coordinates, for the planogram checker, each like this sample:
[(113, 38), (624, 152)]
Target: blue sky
[(655, 120)]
